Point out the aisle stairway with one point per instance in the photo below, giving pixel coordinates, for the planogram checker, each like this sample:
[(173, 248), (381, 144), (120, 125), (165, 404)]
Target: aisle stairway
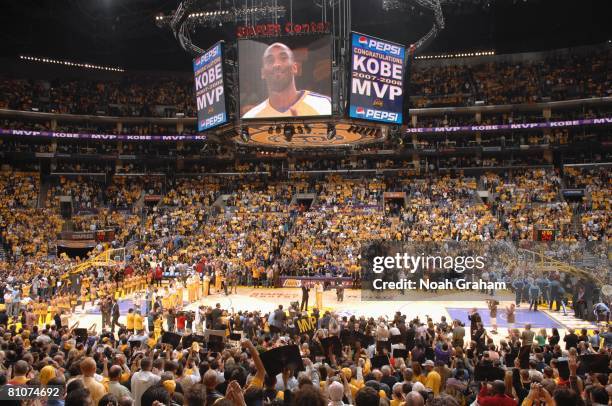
[(576, 224), (3, 255), (43, 193)]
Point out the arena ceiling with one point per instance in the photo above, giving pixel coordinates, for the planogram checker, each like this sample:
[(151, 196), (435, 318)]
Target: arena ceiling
[(123, 32)]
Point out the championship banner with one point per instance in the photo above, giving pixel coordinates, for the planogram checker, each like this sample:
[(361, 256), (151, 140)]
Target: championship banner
[(209, 88), (377, 79)]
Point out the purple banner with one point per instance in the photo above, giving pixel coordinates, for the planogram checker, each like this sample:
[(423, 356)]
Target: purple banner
[(468, 128), (499, 127), (101, 137)]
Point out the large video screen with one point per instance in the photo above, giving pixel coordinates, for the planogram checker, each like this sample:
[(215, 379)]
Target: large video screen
[(285, 77), (209, 88), (377, 79)]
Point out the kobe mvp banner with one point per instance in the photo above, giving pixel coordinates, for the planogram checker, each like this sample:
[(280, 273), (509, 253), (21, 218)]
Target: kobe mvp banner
[(377, 76), (210, 94)]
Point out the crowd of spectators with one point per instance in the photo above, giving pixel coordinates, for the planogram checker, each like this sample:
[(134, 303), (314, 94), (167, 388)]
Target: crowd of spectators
[(192, 191), (262, 237), (497, 82), (437, 207), (85, 192), (130, 96), (378, 361), (494, 82), (261, 232), (24, 229), (594, 209)]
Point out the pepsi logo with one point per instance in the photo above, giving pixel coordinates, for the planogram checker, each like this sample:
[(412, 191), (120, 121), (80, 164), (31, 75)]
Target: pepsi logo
[(363, 40), (360, 110)]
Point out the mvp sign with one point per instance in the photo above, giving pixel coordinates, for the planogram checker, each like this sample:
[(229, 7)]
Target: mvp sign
[(306, 325), (377, 79)]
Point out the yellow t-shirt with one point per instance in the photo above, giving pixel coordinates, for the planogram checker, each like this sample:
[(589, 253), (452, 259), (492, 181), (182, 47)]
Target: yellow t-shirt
[(157, 324), (256, 383), (138, 322), (130, 321), (433, 382)]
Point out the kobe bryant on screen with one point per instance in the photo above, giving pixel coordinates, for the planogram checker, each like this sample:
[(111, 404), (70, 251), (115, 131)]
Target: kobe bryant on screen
[(278, 70)]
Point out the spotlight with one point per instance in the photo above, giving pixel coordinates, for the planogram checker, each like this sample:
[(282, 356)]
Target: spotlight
[(331, 131), (289, 130), (300, 130), (278, 129), (244, 134), (270, 130), (378, 133), (351, 129), (307, 128)]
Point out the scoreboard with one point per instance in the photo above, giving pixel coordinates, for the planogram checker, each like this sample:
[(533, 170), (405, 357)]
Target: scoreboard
[(209, 88), (377, 79)]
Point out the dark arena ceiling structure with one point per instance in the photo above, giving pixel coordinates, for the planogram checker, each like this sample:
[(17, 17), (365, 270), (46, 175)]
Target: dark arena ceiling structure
[(124, 32)]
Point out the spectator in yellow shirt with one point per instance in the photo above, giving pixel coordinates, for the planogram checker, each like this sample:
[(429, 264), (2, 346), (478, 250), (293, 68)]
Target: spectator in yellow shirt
[(129, 324), (256, 275), (433, 380), (138, 322)]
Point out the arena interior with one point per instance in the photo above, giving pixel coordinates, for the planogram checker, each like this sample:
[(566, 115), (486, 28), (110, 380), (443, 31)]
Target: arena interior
[(305, 203)]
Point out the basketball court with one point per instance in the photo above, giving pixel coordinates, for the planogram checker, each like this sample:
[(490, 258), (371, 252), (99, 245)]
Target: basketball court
[(268, 299)]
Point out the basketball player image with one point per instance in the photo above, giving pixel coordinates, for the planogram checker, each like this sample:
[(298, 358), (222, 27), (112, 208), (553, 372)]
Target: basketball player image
[(284, 100)]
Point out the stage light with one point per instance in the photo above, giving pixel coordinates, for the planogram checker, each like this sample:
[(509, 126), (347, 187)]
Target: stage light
[(244, 134), (289, 130), (300, 130), (278, 129), (351, 129), (331, 131), (307, 129), (378, 133), (270, 130)]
